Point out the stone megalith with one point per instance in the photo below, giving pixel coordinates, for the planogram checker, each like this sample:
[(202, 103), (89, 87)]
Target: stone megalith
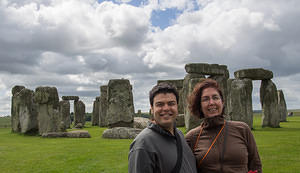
[(180, 120), (23, 111), (222, 81), (95, 114), (15, 102), (79, 113), (75, 98), (240, 100), (121, 133), (269, 104), (254, 74), (140, 122), (120, 111), (103, 106), (48, 109), (65, 117), (282, 106), (186, 91), (196, 71), (207, 69), (179, 85), (191, 121), (217, 72)]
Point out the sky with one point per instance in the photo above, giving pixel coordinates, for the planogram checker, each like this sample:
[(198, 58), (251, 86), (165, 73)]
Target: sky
[(79, 45)]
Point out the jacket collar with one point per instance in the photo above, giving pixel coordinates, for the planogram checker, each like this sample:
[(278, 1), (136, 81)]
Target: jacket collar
[(212, 122), (160, 130)]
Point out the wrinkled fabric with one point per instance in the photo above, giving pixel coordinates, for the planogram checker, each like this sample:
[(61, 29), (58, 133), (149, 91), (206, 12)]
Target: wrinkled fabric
[(241, 154), (154, 151)]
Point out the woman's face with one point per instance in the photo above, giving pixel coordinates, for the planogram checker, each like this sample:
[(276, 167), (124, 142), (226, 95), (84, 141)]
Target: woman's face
[(211, 102)]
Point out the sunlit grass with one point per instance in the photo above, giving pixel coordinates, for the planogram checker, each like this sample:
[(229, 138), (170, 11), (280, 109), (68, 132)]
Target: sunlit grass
[(278, 148)]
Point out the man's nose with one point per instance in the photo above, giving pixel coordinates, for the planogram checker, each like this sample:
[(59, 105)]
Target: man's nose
[(166, 107)]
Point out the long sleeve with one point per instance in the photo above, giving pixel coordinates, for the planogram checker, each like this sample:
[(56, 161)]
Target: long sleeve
[(141, 161), (254, 162)]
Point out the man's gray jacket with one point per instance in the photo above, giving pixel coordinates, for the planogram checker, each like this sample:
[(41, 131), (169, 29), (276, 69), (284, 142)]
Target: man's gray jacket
[(154, 151)]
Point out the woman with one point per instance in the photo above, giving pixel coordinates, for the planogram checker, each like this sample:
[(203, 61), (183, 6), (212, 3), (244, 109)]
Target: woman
[(220, 145)]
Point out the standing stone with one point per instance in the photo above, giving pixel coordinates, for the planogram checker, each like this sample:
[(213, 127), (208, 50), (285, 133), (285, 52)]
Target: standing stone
[(15, 102), (79, 113), (120, 110), (95, 115), (103, 106), (65, 117), (282, 106), (48, 109), (269, 102), (222, 81), (139, 113), (180, 120), (191, 121), (24, 111), (179, 85), (240, 100)]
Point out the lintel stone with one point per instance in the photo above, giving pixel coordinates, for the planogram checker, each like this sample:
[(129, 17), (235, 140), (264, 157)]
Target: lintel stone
[(254, 74), (178, 83), (207, 69), (75, 98)]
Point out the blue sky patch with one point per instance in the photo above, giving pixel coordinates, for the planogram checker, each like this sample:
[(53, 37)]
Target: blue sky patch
[(163, 18)]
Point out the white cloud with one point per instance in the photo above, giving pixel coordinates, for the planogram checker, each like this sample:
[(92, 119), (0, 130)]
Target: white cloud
[(78, 45)]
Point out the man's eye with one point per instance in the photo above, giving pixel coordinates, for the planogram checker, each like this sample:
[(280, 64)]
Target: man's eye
[(159, 104), (171, 103)]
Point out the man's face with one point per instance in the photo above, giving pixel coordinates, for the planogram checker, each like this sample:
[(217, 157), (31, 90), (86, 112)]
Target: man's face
[(165, 110)]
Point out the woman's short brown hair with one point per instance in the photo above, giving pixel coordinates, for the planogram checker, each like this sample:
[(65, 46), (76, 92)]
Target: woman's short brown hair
[(195, 97)]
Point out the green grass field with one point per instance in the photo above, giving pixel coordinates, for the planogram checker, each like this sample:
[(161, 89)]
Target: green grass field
[(278, 147)]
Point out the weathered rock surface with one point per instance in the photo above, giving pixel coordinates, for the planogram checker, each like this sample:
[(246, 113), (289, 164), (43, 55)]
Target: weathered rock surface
[(254, 74), (140, 122), (75, 98), (282, 106), (207, 69), (103, 106), (180, 120), (78, 126), (15, 102), (121, 133), (48, 109), (120, 109), (79, 112), (64, 114), (23, 111), (95, 114), (71, 134), (222, 81), (240, 100), (190, 120), (269, 102)]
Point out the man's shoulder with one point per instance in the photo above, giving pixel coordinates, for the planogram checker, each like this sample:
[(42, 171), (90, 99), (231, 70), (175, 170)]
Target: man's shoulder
[(143, 137)]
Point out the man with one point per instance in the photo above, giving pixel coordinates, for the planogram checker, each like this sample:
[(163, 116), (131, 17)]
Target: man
[(161, 147)]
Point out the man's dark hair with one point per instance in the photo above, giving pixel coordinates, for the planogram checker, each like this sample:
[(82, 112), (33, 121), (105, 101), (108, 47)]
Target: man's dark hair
[(163, 87)]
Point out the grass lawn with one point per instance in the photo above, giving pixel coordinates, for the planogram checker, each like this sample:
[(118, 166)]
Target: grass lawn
[(278, 147)]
